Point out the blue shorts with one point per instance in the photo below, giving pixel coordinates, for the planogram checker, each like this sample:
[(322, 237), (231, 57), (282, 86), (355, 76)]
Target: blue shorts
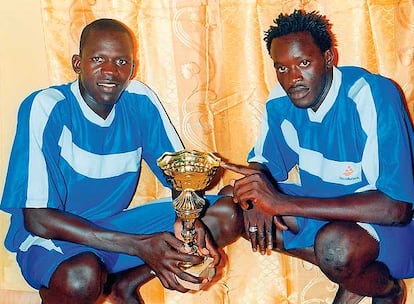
[(396, 244), (39, 263)]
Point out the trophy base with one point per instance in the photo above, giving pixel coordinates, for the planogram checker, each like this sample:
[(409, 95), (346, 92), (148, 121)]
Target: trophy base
[(201, 270)]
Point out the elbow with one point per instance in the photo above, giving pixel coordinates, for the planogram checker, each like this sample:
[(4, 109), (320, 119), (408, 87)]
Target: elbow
[(402, 215), (408, 216), (33, 223)]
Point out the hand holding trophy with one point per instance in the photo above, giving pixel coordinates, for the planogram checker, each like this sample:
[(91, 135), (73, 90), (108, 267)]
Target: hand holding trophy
[(190, 171)]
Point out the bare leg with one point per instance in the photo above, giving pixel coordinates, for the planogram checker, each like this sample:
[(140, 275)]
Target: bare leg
[(347, 254), (343, 296), (397, 295), (80, 280), (225, 221), (126, 284)]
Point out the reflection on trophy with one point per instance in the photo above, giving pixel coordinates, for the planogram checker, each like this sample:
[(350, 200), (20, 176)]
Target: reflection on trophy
[(188, 172)]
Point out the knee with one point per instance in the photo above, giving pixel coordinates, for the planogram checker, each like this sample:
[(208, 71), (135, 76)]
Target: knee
[(333, 252), (344, 249), (81, 276), (224, 220)]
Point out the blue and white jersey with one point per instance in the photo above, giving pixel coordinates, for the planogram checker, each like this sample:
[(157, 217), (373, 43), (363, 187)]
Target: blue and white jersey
[(359, 139), (66, 157)]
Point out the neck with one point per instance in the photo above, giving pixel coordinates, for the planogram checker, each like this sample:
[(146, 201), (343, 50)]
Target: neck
[(327, 85)]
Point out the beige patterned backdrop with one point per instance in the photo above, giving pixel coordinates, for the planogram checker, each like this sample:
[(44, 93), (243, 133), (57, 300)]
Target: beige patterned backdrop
[(207, 61)]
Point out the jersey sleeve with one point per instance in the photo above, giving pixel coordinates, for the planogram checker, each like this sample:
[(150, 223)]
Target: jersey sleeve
[(159, 137), (33, 178), (395, 142), (266, 150)]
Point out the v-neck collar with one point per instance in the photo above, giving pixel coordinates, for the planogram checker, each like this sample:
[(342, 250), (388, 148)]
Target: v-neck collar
[(87, 111), (329, 99)]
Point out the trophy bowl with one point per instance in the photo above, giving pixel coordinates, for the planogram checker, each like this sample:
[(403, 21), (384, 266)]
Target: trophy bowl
[(189, 169)]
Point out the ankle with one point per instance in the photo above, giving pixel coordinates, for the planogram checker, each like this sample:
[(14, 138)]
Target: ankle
[(397, 289)]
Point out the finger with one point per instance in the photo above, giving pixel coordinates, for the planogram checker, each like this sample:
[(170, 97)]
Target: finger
[(253, 240), (201, 237), (213, 251), (166, 282), (251, 231), (184, 279), (247, 200), (269, 238), (215, 254), (244, 195), (209, 250), (189, 259), (169, 281), (177, 244), (178, 226), (241, 169), (246, 225), (279, 223), (261, 238), (246, 205)]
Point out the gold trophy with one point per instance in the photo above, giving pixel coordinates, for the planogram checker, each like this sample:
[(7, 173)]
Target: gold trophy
[(190, 171)]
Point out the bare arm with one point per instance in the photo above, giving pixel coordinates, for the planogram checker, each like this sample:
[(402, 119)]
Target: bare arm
[(56, 224), (370, 207), (162, 252)]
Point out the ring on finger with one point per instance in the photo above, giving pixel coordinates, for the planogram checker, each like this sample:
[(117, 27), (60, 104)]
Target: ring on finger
[(253, 229)]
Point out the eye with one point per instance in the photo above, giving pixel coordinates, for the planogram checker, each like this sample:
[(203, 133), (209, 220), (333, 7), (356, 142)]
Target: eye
[(304, 63), (121, 62), (97, 59), (281, 69)]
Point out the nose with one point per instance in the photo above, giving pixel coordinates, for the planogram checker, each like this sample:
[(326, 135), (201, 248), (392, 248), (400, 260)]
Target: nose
[(295, 76), (109, 67)]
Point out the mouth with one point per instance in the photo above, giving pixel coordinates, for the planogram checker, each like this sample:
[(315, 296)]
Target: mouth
[(298, 92), (107, 85)]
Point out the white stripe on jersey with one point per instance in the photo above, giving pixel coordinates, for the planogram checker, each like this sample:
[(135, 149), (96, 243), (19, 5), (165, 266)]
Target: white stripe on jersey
[(258, 148), (42, 106), (344, 173), (96, 165), (361, 94), (138, 87), (39, 241)]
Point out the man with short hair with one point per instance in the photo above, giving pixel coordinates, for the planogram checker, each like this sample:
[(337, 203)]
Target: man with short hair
[(73, 171)]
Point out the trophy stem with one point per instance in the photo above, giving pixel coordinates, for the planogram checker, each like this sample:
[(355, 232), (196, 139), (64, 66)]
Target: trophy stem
[(188, 206)]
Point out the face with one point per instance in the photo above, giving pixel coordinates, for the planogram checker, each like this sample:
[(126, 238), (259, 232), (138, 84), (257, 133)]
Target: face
[(304, 72), (105, 68)]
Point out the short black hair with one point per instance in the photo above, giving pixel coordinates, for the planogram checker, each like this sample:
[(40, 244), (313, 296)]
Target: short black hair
[(103, 25), (300, 21)]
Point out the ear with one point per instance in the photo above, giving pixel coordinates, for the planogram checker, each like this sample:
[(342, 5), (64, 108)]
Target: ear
[(76, 63), (133, 70), (329, 58)]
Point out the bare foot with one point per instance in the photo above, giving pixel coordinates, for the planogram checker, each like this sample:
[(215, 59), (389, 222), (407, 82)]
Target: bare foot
[(344, 296), (397, 296)]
